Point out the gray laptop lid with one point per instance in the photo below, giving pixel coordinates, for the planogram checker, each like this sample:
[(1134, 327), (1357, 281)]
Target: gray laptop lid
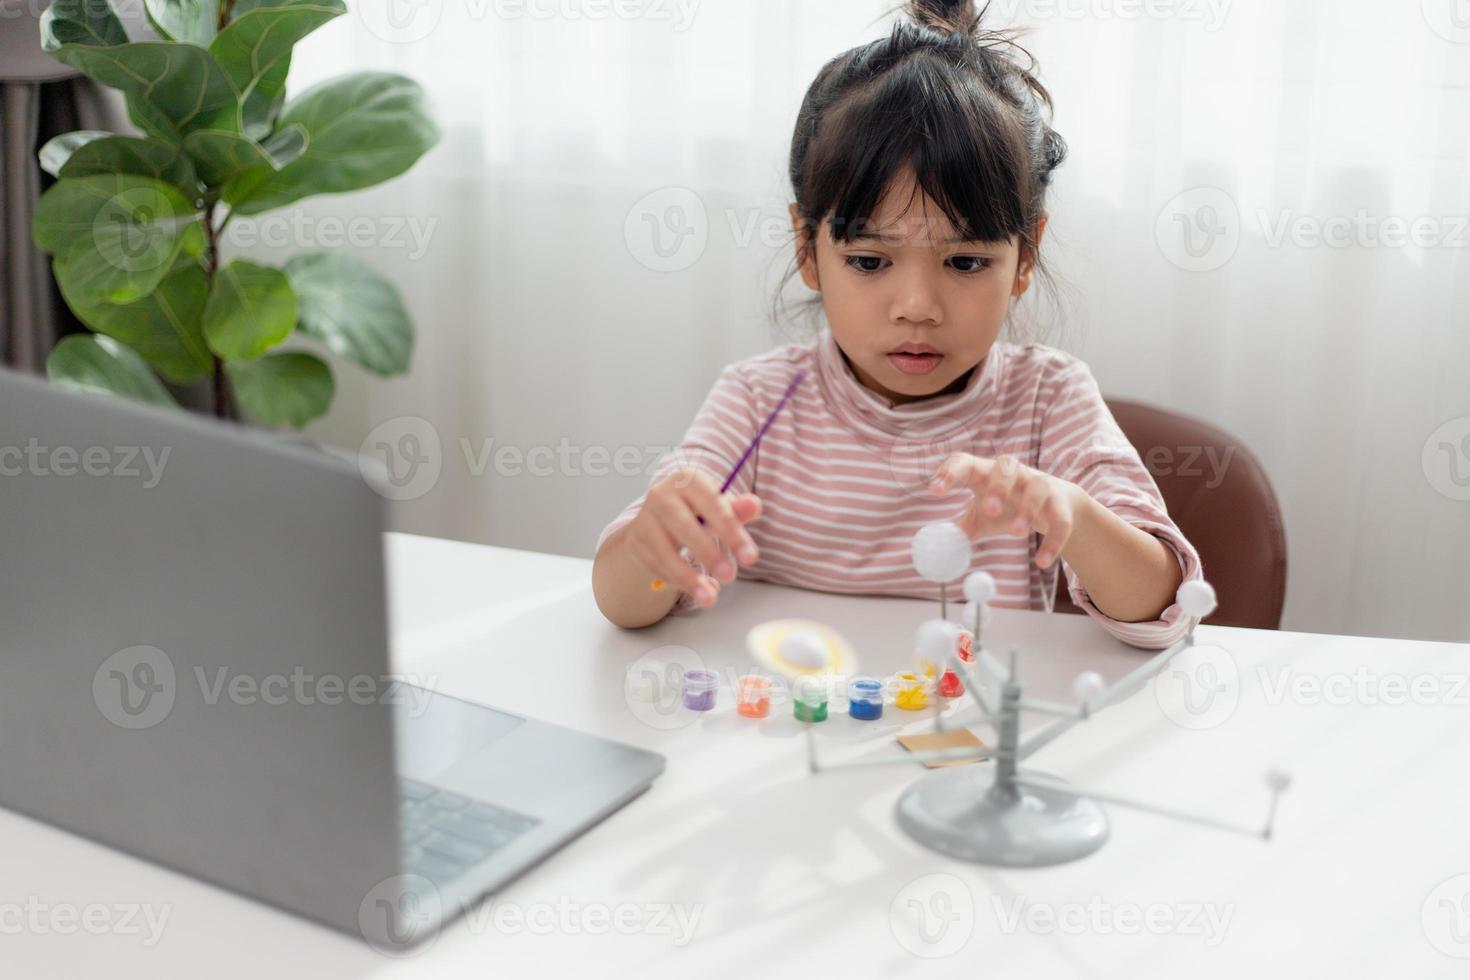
[(193, 639)]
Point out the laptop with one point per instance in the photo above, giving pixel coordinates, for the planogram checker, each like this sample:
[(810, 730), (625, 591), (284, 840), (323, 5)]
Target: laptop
[(194, 645)]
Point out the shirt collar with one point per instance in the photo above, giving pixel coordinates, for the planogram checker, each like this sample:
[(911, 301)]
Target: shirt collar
[(868, 411)]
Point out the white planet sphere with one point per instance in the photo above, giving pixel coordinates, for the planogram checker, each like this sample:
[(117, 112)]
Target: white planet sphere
[(1088, 685), (1197, 598), (941, 551), (805, 649), (936, 641), (979, 586)]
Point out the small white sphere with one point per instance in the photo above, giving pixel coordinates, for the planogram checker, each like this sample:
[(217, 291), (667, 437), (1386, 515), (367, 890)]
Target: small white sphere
[(1088, 685), (1197, 598), (979, 586), (941, 551), (805, 649), (1278, 780), (936, 641)]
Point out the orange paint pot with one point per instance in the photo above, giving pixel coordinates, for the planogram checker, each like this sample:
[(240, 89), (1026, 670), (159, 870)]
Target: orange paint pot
[(753, 696)]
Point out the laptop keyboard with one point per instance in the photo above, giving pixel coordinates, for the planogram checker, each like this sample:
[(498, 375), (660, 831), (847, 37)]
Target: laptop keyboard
[(445, 834)]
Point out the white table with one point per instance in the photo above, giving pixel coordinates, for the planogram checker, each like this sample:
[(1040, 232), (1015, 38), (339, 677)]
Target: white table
[(778, 872)]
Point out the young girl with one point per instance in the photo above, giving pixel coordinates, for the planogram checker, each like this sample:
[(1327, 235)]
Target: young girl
[(920, 166)]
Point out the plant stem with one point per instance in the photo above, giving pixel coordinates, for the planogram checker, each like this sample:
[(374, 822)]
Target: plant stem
[(221, 392), (211, 265), (226, 8)]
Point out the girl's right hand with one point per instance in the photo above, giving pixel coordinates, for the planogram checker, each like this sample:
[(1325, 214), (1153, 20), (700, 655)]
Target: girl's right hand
[(670, 520)]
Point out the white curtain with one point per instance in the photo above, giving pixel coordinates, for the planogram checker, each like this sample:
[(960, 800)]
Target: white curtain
[(602, 227)]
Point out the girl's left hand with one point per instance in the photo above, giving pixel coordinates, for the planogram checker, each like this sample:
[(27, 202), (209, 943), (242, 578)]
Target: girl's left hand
[(1012, 498)]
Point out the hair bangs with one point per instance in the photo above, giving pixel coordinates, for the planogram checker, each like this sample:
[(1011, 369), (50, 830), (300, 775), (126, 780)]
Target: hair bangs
[(964, 150)]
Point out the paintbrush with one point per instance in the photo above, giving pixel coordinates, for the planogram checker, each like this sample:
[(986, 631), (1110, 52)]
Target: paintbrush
[(659, 583)]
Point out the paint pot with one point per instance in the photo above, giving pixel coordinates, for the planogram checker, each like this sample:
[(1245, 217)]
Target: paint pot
[(809, 698), (865, 698), (911, 691), (699, 689), (753, 696)]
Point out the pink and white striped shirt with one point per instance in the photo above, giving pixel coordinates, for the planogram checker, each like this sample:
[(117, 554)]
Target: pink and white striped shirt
[(842, 473)]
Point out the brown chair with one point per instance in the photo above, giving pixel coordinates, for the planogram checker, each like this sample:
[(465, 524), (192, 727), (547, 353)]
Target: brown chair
[(1231, 516)]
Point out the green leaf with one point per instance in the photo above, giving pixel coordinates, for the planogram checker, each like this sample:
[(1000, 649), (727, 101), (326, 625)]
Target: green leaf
[(164, 80), (57, 151), (116, 235), (243, 7), (68, 210), (352, 310), (103, 366), (361, 130), (262, 103), (257, 38), (286, 388), (169, 86), (184, 20), (250, 310), (130, 271), (82, 22), (85, 153), (151, 120), (237, 164), (185, 261), (164, 328), (281, 149), (72, 208)]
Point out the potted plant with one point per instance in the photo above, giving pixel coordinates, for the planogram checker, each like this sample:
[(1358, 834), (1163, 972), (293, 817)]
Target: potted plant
[(134, 223)]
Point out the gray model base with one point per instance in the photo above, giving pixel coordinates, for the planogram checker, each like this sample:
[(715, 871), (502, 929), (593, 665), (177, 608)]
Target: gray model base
[(961, 811)]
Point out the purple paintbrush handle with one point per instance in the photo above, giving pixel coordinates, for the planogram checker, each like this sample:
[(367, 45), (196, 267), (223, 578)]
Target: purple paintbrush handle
[(790, 390)]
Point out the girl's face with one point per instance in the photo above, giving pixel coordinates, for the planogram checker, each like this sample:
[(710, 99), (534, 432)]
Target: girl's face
[(912, 308)]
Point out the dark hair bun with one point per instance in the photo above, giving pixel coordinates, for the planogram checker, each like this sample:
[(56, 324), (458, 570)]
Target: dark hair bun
[(999, 47), (945, 16)]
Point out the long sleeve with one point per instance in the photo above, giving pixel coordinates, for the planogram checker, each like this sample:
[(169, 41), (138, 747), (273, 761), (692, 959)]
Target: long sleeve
[(722, 428), (1082, 444)]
